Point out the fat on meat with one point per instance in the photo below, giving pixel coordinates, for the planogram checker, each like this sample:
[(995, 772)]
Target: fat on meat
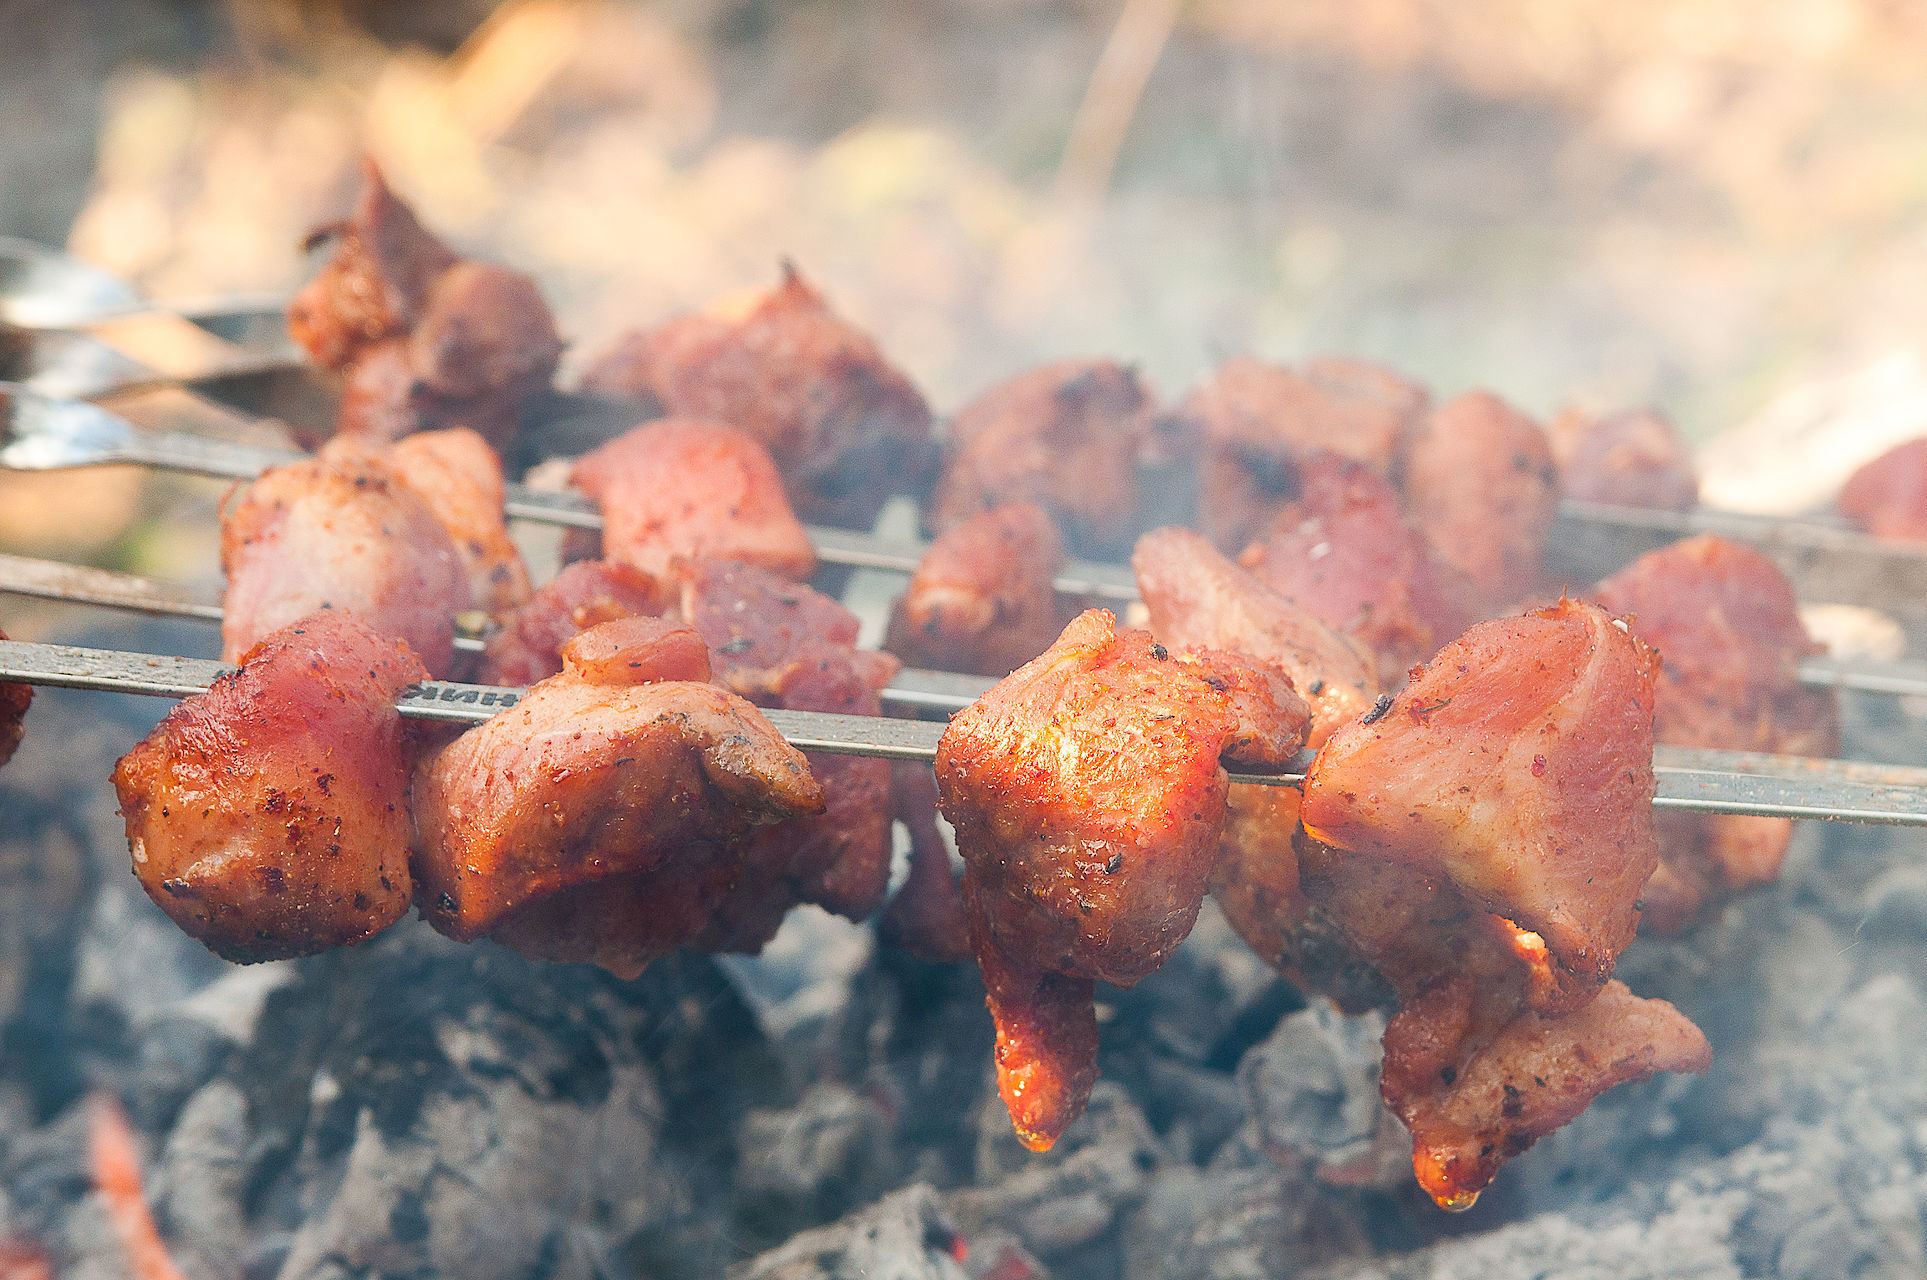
[(269, 816), (1088, 798), (340, 533)]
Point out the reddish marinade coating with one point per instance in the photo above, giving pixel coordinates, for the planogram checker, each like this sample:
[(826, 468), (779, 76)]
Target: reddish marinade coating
[(600, 818), (982, 599), (423, 338), (1089, 801), (1888, 496), (686, 489), (1064, 437), (1344, 553), (269, 815), (1198, 597), (14, 700), (1480, 484), (528, 645), (845, 427), (341, 533), (781, 644), (1632, 459), (1730, 640), (1518, 765), (1258, 421), (459, 479)]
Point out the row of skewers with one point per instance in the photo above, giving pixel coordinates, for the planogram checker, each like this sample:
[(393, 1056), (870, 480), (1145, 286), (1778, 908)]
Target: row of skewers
[(1471, 845)]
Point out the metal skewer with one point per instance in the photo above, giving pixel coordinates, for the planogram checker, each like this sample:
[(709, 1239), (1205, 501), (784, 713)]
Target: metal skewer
[(1695, 781), (940, 690)]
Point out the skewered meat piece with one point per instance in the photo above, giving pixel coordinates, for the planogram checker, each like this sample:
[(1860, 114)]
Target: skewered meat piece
[(1198, 597), (1517, 765), (1888, 496), (780, 644), (982, 599), (925, 916), (1089, 800), (841, 422), (1632, 459), (1062, 436), (1258, 421), (1482, 840), (269, 815), (459, 479), (1344, 553), (1481, 486), (685, 489), (424, 339), (342, 533), (600, 818), (14, 700), (1729, 635), (528, 646)]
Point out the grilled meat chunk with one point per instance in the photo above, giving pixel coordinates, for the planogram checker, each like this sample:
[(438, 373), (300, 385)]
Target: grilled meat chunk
[(925, 916), (1064, 437), (982, 598), (600, 818), (528, 646), (14, 700), (459, 479), (685, 489), (1730, 640), (843, 425), (1089, 801), (1888, 496), (424, 339), (1518, 767), (269, 816), (780, 644), (1343, 552), (1258, 421), (1480, 485), (1633, 459), (343, 533), (1198, 597)]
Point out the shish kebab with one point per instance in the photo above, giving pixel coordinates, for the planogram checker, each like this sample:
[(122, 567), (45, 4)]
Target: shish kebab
[(1702, 781)]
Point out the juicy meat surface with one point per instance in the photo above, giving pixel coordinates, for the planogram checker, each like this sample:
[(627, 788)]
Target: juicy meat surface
[(1344, 553), (846, 428), (346, 533), (982, 599), (686, 489), (1730, 641), (1633, 459), (551, 825), (1518, 766), (459, 479), (528, 645), (1258, 420), (1089, 802), (14, 700), (1888, 496), (425, 340), (376, 283), (1063, 437), (1481, 486), (780, 644), (1198, 597), (269, 815)]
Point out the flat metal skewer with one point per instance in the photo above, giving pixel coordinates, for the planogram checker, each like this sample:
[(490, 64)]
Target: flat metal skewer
[(1694, 781), (939, 690)]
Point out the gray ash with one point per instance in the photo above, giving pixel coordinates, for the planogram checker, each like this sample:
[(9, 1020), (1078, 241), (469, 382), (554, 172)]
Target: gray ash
[(416, 1108)]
